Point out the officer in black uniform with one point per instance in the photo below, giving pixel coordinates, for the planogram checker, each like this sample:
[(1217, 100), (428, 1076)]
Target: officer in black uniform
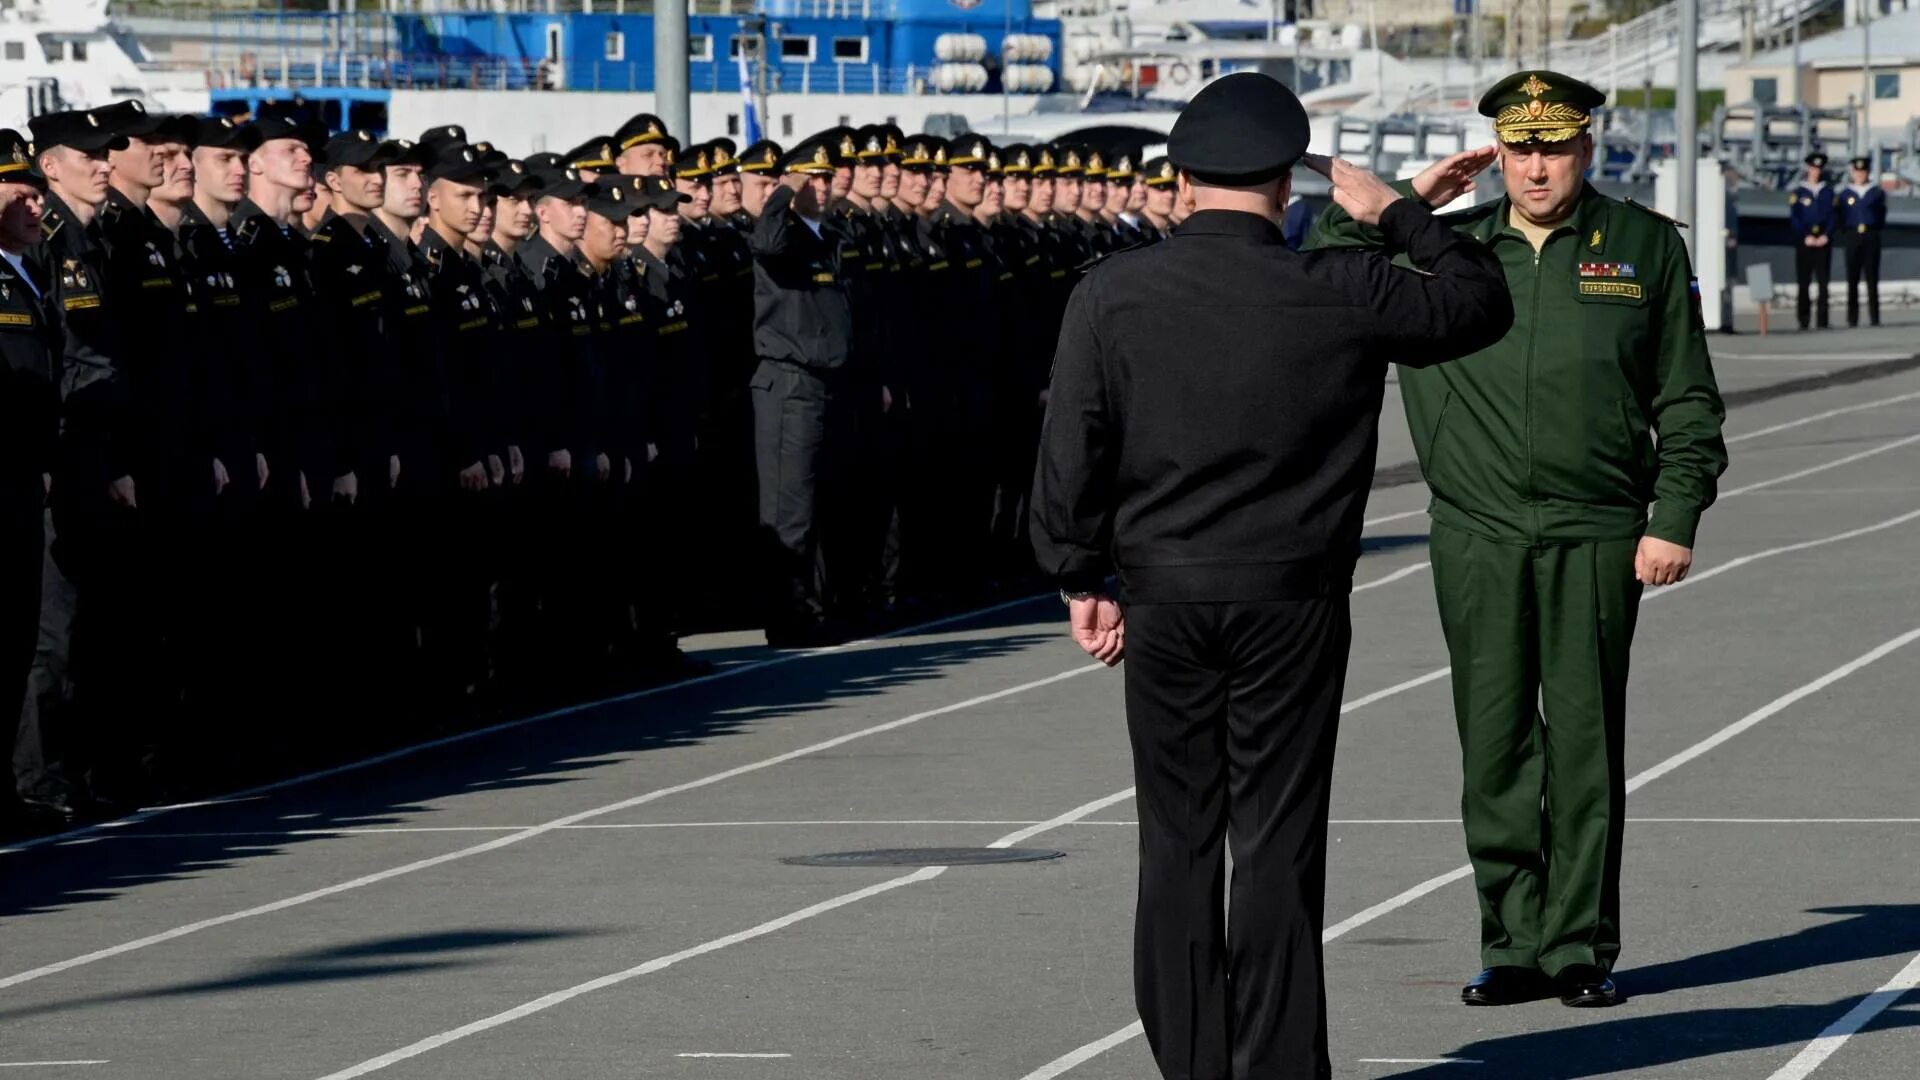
[(1221, 465), (30, 343), (1861, 207), (640, 146), (93, 486), (1161, 181), (803, 333)]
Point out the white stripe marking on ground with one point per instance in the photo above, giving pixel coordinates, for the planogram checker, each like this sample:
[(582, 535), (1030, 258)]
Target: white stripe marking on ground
[(559, 997), (1420, 1061), (509, 725), (1823, 467), (1837, 1033), (529, 833), (1388, 579), (1085, 1053), (719, 1054), (46, 1064), (1403, 515)]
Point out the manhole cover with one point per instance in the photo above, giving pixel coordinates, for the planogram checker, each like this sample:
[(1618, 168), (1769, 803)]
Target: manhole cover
[(937, 856)]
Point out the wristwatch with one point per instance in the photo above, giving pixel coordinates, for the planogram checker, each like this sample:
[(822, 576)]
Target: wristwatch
[(1069, 597)]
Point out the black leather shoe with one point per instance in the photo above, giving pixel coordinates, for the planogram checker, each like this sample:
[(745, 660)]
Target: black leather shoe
[(1505, 986), (1585, 987), (59, 808)]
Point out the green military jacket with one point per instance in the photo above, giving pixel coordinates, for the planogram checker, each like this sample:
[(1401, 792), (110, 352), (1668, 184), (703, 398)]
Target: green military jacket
[(1599, 401)]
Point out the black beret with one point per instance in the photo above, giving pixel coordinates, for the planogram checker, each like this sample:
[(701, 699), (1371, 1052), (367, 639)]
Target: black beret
[(130, 118), (643, 128), (762, 157), (514, 180), (657, 193), (221, 133), (1240, 129), (559, 183), (16, 160), (404, 152), (80, 130), (459, 163), (445, 133), (612, 198)]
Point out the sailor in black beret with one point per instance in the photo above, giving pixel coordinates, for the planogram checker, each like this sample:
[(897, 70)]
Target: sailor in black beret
[(129, 118), (640, 146), (512, 180), (77, 129), (457, 163), (545, 161), (1241, 130), (558, 182), (435, 137), (222, 133)]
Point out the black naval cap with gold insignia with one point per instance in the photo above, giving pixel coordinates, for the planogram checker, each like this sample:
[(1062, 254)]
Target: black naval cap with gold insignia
[(16, 160), (970, 152), (643, 128), (1044, 165), (558, 182), (1817, 159), (445, 133), (694, 163), (815, 156), (726, 156), (405, 152), (1120, 170), (513, 180), (1159, 173), (923, 153), (1069, 159), (76, 128), (596, 153), (762, 157), (1241, 129), (1861, 163), (612, 198), (1540, 106), (1016, 159)]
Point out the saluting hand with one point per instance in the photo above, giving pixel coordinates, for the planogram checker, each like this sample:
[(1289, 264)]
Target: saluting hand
[(260, 469), (1100, 628), (220, 477), (474, 477), (1451, 177), (1661, 562), (516, 464), (496, 470), (1361, 194), (122, 493), (602, 466), (561, 462), (346, 488)]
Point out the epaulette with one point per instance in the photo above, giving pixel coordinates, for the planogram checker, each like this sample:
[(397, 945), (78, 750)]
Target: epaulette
[(434, 257), (1643, 208), (553, 267), (110, 213), (321, 236), (1087, 267), (247, 230), (51, 224)]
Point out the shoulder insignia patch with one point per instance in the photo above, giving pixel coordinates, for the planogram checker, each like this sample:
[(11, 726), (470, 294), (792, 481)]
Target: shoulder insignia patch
[(323, 237), (1645, 209), (51, 225), (247, 229)]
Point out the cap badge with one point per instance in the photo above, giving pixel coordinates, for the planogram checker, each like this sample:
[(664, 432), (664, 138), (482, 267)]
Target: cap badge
[(92, 120), (1534, 87)]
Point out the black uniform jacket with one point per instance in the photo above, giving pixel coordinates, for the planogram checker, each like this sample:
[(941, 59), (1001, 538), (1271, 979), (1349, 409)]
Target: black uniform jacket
[(801, 313), (29, 404), (1215, 401)]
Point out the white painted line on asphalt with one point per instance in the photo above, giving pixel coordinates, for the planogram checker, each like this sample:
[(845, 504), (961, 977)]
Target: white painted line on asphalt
[(1799, 357), (1837, 1033), (1340, 929), (1396, 688), (1388, 579), (47, 1064), (494, 729), (1785, 549), (718, 1054), (528, 833), (1823, 467), (558, 997), (1371, 522), (1420, 1061)]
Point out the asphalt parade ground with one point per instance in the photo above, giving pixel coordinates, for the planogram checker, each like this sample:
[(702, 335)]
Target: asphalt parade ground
[(601, 892)]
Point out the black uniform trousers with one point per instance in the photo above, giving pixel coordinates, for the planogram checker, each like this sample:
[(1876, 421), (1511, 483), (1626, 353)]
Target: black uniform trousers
[(1863, 260), (21, 554), (1232, 709), (801, 427), (1812, 264)]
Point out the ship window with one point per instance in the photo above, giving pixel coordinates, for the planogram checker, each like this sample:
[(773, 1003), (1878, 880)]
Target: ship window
[(851, 49), (796, 48), (16, 50), (733, 123), (553, 43), (786, 125), (746, 43), (700, 47), (616, 46), (1766, 91), (1886, 87), (77, 51)]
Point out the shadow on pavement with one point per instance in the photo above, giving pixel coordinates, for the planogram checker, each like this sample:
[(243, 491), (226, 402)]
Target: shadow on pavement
[(548, 752), (1617, 1047), (1867, 933)]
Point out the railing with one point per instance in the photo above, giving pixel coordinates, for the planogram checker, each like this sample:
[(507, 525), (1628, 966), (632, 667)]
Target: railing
[(320, 70)]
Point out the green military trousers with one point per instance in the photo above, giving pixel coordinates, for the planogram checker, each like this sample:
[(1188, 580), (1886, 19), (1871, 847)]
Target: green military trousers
[(1539, 638)]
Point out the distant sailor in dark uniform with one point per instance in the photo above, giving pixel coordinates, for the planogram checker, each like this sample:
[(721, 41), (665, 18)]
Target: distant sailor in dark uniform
[(1813, 219), (1221, 466), (1160, 180), (1862, 210)]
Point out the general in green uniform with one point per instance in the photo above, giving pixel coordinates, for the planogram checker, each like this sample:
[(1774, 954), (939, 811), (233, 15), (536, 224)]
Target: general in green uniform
[(1544, 454)]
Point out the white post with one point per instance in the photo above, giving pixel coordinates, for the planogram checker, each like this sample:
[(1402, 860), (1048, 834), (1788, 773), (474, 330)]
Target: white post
[(1686, 107)]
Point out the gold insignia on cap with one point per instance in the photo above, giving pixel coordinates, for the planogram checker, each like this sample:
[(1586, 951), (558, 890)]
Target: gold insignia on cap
[(701, 161), (873, 145), (892, 147), (1539, 119), (1534, 87), (363, 136), (820, 155), (516, 167), (466, 155), (617, 194), (1073, 159), (93, 120), (224, 122), (1166, 170), (653, 128), (721, 157), (571, 174), (846, 146), (137, 107)]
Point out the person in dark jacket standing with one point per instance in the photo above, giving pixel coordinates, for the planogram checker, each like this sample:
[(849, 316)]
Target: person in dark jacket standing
[(1811, 213), (1222, 465), (1861, 216), (803, 332), (29, 432)]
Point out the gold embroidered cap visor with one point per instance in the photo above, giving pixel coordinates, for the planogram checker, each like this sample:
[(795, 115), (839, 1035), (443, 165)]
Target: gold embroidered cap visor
[(1540, 106)]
